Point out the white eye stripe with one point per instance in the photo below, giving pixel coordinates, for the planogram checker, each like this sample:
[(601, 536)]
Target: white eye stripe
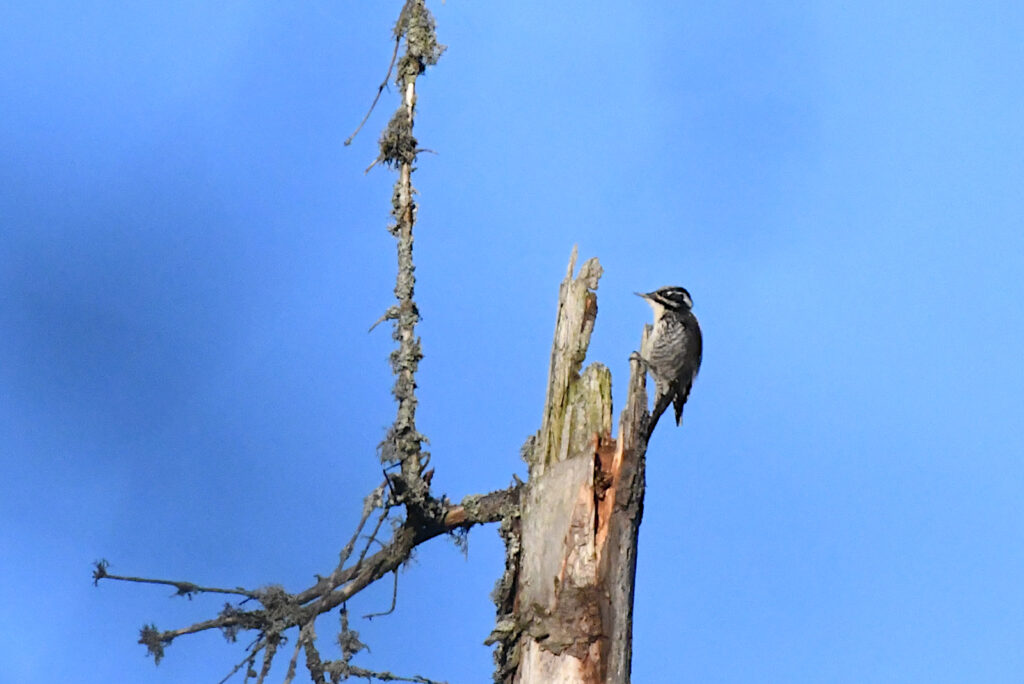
[(672, 297)]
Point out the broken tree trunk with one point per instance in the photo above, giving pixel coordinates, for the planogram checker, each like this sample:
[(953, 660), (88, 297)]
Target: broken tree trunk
[(566, 601)]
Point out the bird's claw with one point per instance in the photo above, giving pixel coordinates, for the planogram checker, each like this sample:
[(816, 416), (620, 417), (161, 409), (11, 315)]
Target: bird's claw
[(635, 356)]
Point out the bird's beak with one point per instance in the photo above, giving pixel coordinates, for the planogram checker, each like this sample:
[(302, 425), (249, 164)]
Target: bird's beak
[(641, 294)]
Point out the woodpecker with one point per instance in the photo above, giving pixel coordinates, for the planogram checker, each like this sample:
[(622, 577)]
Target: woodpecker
[(674, 349)]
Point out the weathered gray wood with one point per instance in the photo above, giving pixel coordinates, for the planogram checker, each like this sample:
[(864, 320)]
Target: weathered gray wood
[(568, 592), (577, 309)]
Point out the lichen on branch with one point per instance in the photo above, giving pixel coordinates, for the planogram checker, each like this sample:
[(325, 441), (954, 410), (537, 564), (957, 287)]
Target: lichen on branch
[(403, 443)]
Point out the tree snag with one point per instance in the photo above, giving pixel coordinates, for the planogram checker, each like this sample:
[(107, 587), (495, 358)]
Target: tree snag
[(566, 601)]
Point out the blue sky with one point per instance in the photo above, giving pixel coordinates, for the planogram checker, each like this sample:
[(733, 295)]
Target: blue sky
[(190, 259)]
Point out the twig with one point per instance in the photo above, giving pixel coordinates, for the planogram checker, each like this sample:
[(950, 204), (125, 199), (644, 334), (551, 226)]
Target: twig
[(373, 501), (268, 656), (380, 89), (372, 538), (426, 516), (392, 311), (260, 643), (394, 600), (354, 671), (474, 510), (314, 664), (303, 635), (336, 577), (184, 588)]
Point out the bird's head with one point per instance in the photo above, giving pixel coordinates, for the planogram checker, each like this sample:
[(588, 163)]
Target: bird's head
[(670, 298)]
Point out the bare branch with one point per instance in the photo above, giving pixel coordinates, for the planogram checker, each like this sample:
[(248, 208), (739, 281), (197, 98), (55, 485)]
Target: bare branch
[(472, 511), (354, 671), (183, 588), (372, 502), (268, 657), (348, 639), (282, 610), (303, 635), (426, 516), (392, 312), (398, 148), (249, 659), (313, 662), (371, 538), (380, 89)]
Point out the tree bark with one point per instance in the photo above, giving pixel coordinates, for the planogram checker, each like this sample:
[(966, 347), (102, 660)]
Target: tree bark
[(568, 590)]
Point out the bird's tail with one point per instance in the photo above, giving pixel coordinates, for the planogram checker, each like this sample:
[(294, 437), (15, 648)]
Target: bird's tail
[(661, 403), (677, 401)]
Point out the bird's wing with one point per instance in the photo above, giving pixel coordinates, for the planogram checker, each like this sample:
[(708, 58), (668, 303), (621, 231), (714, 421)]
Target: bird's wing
[(693, 358)]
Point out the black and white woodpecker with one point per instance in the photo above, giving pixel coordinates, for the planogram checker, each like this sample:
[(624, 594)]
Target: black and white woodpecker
[(673, 350)]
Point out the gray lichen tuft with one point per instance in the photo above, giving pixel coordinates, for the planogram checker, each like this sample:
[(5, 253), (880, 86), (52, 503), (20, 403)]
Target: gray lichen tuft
[(505, 636), (422, 49), (397, 143), (152, 639)]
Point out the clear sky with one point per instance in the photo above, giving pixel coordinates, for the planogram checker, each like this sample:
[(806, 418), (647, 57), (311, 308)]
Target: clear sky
[(190, 260)]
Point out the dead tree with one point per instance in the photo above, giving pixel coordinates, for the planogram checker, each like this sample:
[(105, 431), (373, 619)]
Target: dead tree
[(564, 602)]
